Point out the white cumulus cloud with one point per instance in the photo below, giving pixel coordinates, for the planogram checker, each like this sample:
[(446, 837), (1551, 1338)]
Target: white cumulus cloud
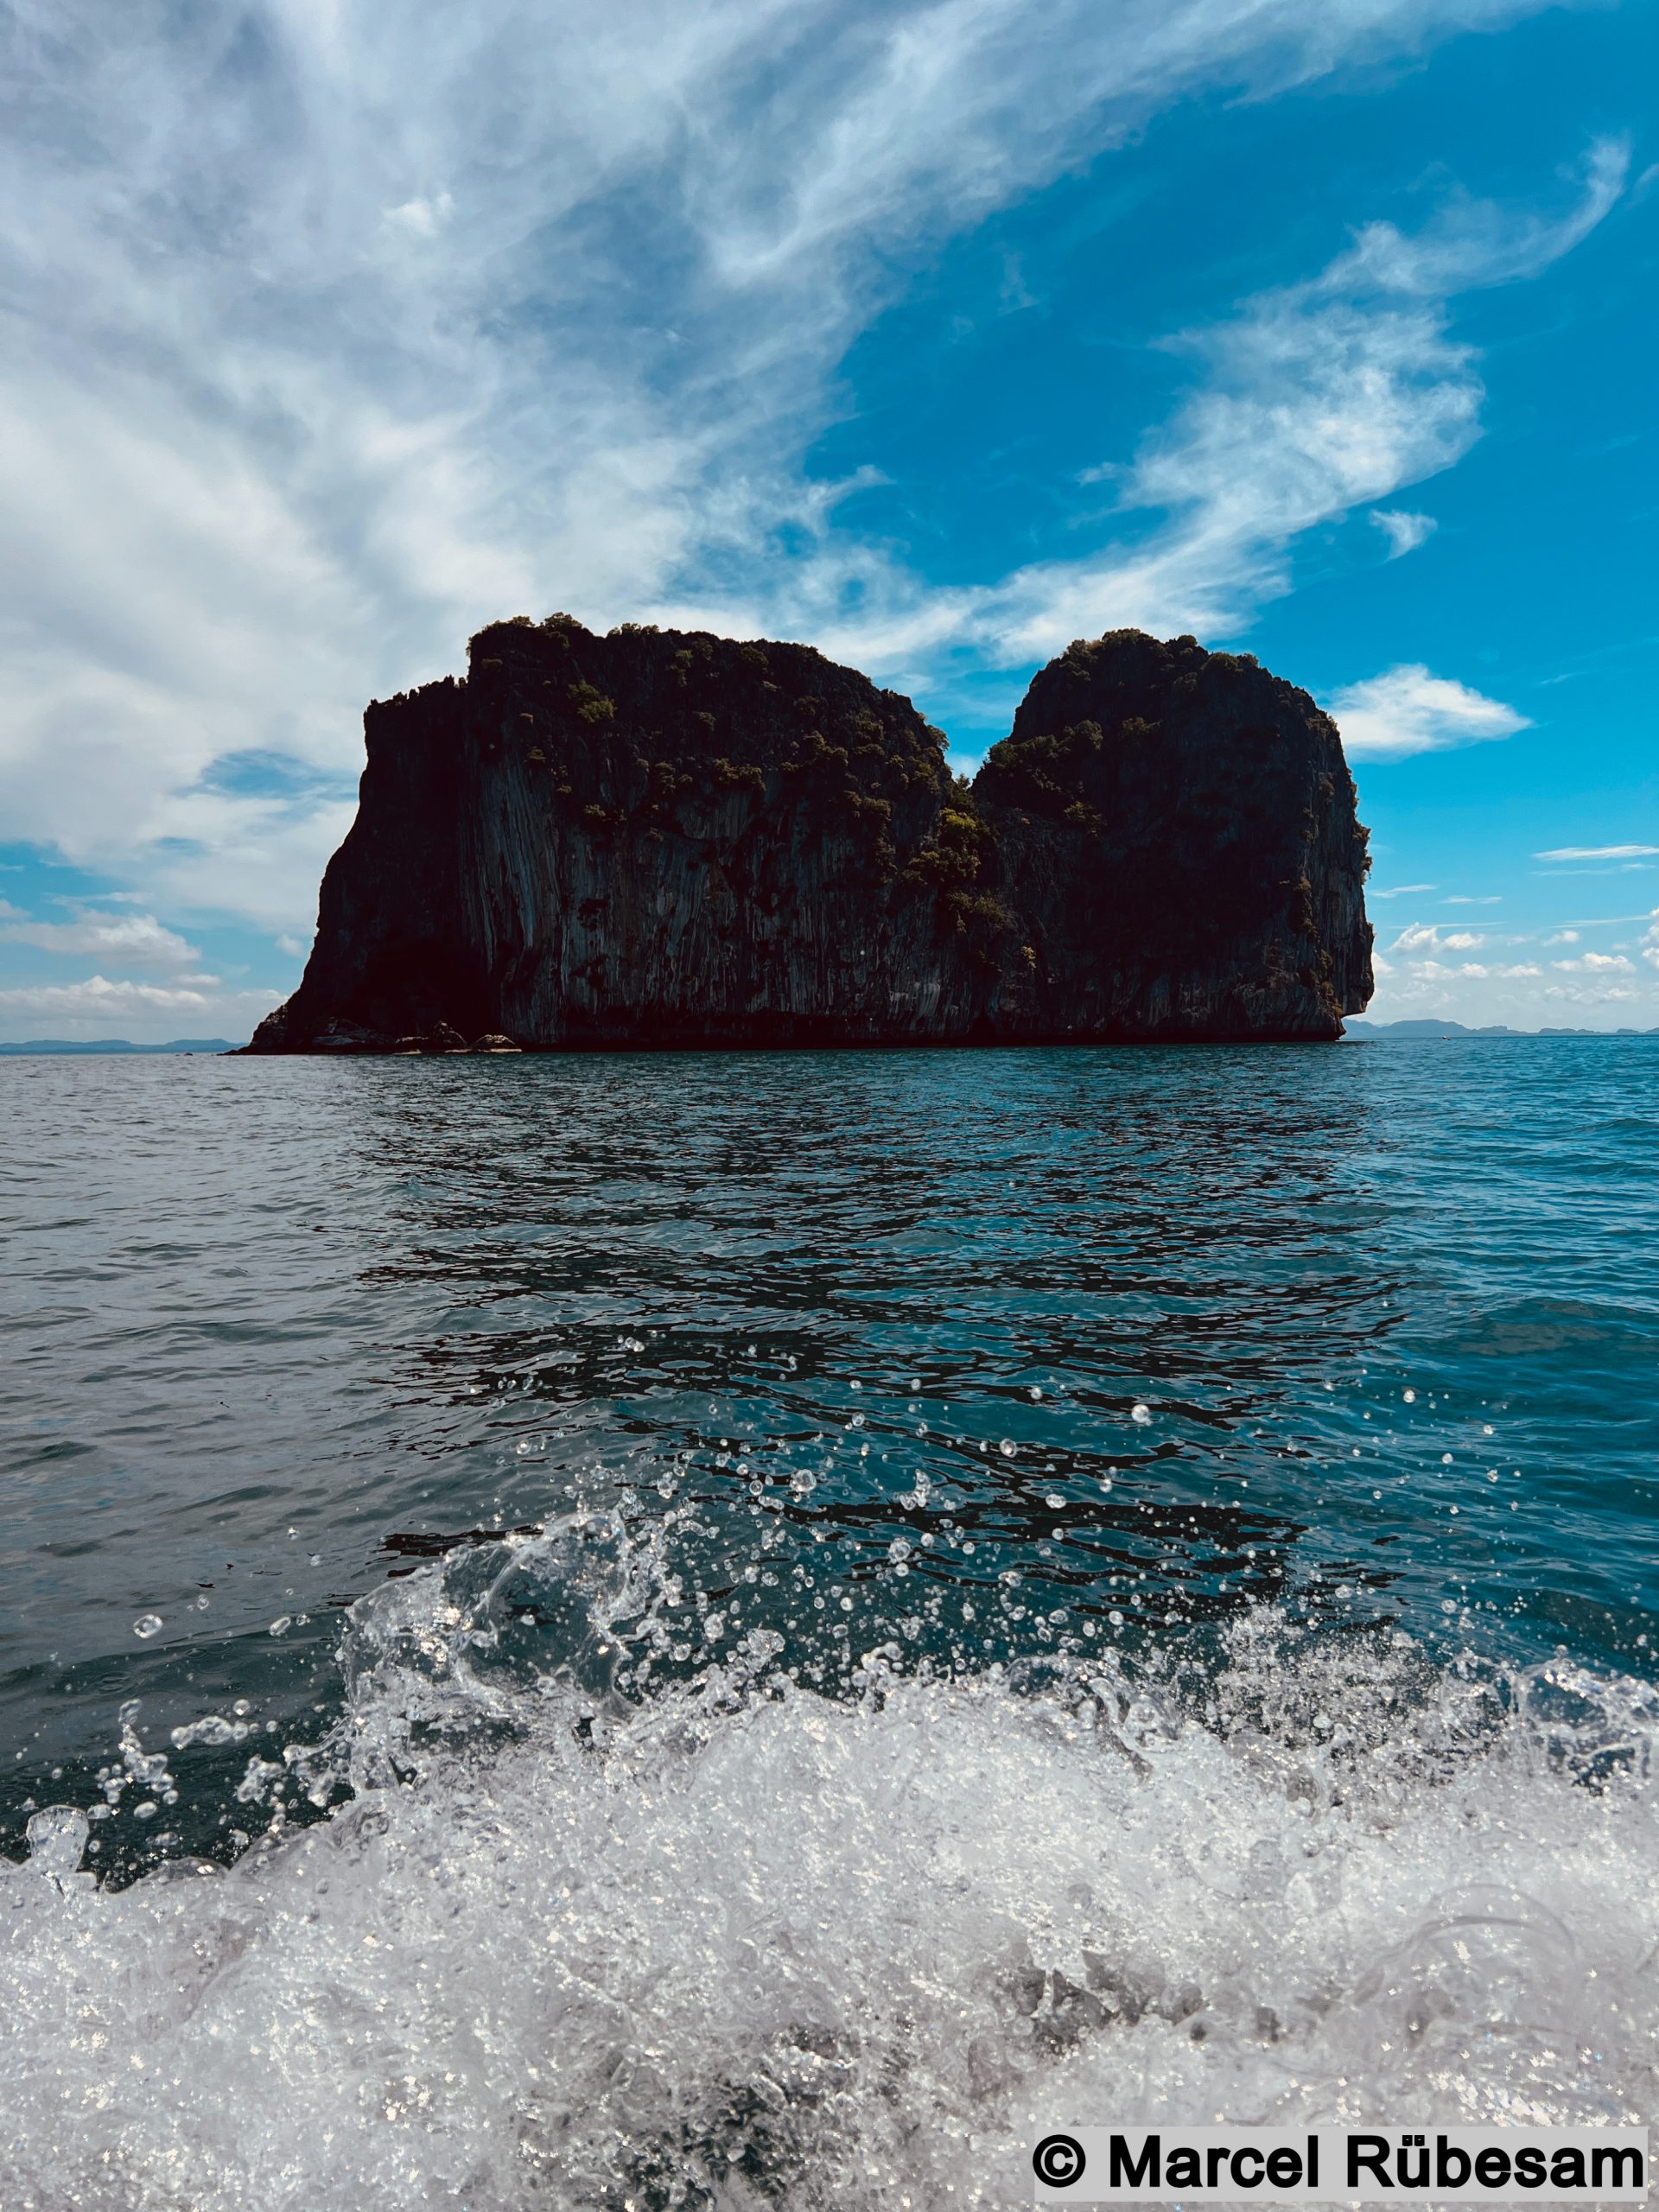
[(1427, 936), (1596, 964), (123, 940), (102, 1005), (1406, 710)]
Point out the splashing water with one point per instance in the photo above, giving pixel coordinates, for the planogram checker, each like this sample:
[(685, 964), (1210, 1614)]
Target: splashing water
[(730, 1943)]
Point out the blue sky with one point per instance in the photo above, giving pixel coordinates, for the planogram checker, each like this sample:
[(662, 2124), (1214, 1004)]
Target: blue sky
[(934, 334)]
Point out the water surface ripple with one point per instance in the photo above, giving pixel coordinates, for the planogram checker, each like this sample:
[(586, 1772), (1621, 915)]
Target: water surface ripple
[(382, 1429)]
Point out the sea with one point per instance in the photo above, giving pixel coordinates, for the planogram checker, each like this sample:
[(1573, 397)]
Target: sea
[(646, 1631)]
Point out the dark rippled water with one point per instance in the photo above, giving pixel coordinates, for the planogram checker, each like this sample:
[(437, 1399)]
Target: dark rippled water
[(433, 1436)]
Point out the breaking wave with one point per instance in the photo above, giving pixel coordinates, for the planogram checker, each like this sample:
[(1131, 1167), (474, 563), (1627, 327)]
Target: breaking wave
[(562, 1932)]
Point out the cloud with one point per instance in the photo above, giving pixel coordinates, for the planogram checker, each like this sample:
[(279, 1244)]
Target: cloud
[(126, 940), (1308, 405), (1461, 899), (1475, 242), (1420, 975), (1404, 531), (1312, 400), (334, 330), (98, 1006), (1596, 964), (1597, 852), (1403, 890), (98, 994), (1524, 994), (1425, 936), (422, 218), (1406, 711), (1465, 971)]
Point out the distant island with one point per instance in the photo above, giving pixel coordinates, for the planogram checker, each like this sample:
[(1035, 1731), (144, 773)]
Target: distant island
[(1423, 1028), (661, 839), (121, 1045)]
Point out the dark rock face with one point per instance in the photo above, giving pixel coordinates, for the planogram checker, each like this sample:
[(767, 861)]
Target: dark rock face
[(668, 840), (1177, 830)]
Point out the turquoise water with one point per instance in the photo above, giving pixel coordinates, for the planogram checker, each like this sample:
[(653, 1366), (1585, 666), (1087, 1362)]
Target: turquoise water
[(726, 1569)]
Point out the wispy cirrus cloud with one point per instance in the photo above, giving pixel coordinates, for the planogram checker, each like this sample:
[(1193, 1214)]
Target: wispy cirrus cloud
[(1405, 532), (1313, 401), (1598, 853), (336, 330)]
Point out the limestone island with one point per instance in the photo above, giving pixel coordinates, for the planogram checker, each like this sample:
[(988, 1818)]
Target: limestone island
[(658, 839)]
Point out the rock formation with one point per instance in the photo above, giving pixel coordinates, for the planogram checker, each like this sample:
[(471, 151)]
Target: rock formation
[(661, 839)]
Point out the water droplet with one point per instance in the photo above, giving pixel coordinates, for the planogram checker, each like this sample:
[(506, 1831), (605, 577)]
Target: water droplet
[(1411, 1397), (1141, 1413), (56, 1839), (1008, 1447), (146, 1625), (282, 1624)]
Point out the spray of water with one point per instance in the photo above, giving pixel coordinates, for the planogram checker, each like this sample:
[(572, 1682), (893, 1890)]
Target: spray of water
[(727, 1942)]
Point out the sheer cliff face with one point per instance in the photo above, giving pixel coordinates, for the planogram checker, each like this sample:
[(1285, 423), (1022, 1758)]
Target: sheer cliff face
[(1176, 828), (658, 839)]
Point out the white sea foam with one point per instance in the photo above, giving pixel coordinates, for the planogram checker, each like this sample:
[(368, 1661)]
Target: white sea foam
[(740, 1946)]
